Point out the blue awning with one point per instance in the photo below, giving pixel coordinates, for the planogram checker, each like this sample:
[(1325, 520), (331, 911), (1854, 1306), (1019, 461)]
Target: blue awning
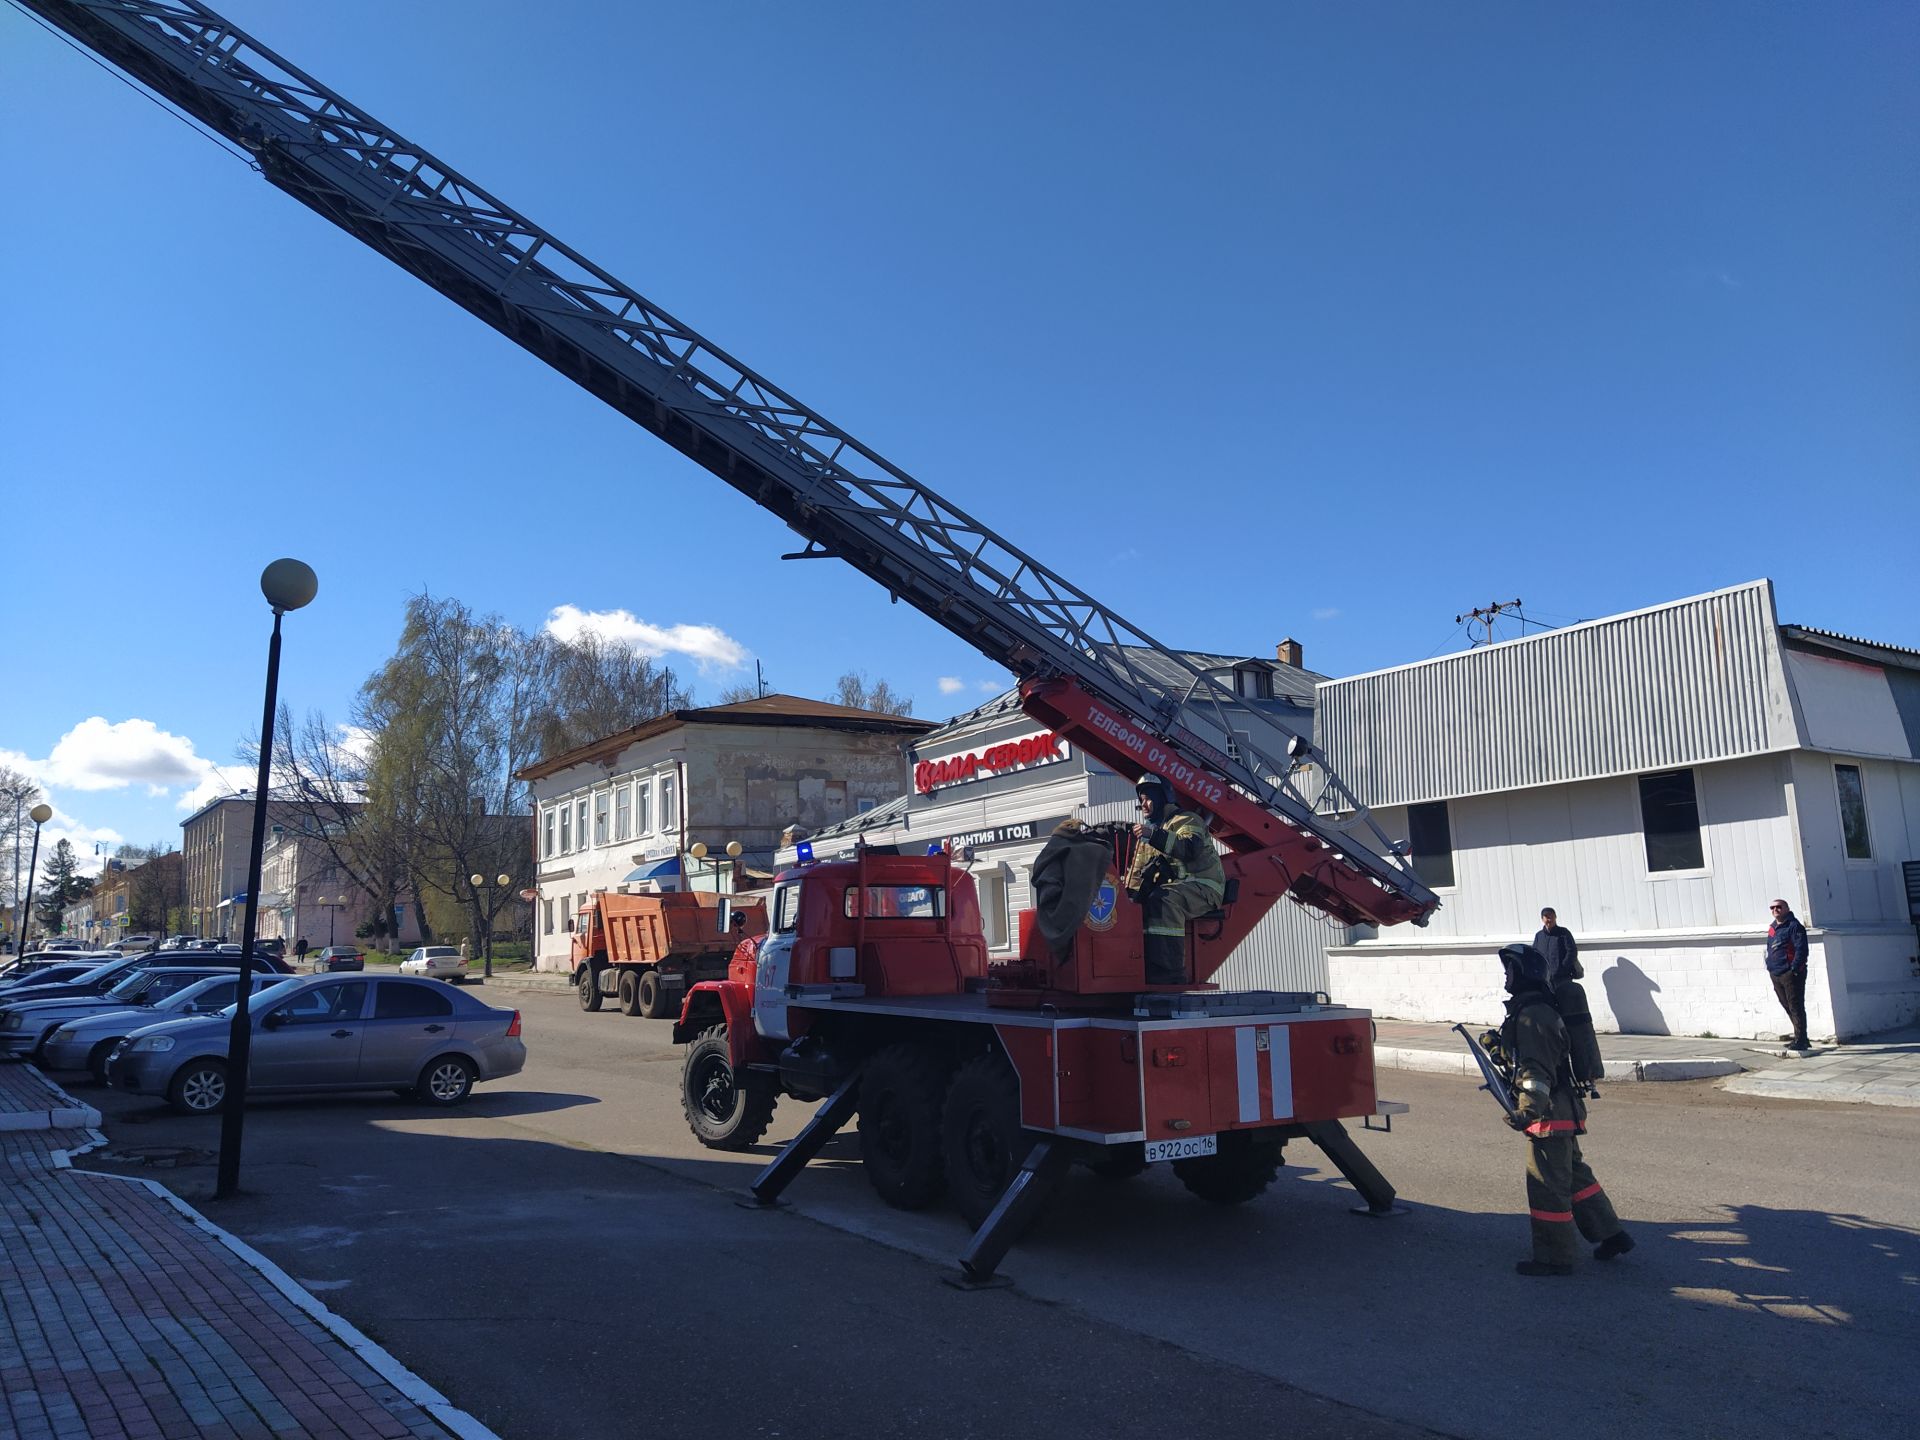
[(654, 870)]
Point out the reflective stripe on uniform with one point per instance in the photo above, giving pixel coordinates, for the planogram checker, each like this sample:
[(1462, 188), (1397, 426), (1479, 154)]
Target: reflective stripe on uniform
[(1544, 1128), (1555, 1217), (1588, 1193)]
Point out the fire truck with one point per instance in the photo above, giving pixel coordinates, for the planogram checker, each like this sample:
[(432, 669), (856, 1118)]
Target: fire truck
[(871, 990)]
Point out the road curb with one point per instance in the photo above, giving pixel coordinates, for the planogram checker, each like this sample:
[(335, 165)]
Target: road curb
[(73, 1115), (1441, 1062)]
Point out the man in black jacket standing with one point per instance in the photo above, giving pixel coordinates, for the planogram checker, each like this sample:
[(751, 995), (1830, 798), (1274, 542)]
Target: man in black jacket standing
[(1557, 944), (1787, 967)]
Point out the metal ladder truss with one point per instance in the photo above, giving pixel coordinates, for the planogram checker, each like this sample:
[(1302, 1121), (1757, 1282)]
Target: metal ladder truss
[(846, 500)]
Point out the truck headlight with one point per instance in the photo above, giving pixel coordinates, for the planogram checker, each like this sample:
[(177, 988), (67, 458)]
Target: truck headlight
[(153, 1042)]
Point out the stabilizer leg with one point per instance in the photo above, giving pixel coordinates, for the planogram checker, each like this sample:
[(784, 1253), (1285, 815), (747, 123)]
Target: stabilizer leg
[(1334, 1141), (1019, 1203), (793, 1158)]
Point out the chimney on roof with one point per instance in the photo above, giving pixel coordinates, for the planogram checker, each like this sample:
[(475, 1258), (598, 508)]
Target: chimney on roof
[(1287, 652)]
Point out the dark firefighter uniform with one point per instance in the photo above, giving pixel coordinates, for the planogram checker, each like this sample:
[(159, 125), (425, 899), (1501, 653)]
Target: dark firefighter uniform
[(1562, 1193), (1189, 882)]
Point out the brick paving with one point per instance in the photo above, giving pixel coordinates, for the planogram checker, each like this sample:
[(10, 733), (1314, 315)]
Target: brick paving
[(121, 1319)]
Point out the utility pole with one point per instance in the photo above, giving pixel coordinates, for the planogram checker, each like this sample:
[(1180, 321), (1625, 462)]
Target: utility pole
[(1484, 616)]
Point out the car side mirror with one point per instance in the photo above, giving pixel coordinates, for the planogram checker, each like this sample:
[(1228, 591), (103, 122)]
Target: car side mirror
[(726, 918), (273, 1020)]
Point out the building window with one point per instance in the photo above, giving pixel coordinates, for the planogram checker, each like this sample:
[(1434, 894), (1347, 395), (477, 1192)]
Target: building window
[(1670, 818), (669, 807), (1853, 812), (622, 813), (864, 804), (642, 808), (1253, 682), (580, 823), (546, 837), (566, 828), (566, 914), (600, 803), (1430, 842), (992, 887), (549, 910)]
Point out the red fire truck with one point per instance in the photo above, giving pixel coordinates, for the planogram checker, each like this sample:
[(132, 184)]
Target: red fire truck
[(872, 988)]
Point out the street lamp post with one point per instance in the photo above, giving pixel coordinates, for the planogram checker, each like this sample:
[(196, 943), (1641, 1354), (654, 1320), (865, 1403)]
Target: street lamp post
[(23, 906), (287, 584), (480, 882), (333, 908)]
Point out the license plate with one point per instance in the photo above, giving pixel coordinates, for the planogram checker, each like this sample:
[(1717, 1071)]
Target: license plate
[(1183, 1147)]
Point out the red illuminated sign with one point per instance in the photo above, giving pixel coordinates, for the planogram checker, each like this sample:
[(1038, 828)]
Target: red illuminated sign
[(930, 775)]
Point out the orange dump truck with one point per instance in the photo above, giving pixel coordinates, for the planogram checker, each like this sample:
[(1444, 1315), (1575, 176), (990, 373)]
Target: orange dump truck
[(645, 950)]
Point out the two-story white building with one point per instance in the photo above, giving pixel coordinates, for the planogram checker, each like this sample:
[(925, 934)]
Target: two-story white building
[(622, 813), (1657, 778)]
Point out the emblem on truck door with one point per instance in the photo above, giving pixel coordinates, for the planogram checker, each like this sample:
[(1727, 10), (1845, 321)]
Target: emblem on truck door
[(1100, 914)]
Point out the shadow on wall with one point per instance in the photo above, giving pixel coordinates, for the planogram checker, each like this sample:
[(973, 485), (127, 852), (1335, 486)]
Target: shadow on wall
[(1630, 992)]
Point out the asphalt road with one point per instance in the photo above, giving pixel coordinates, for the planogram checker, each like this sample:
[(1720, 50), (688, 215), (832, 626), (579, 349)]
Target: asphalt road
[(562, 1259)]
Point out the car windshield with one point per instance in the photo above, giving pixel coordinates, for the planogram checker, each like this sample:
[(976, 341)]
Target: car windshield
[(99, 973), (133, 985), (270, 996)]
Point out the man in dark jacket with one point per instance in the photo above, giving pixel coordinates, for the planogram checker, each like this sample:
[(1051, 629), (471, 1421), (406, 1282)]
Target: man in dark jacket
[(1562, 1193), (1557, 944), (1787, 965)]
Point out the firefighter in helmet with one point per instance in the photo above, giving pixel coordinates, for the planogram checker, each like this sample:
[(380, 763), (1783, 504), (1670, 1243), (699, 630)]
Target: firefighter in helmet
[(1175, 876), (1561, 1191)]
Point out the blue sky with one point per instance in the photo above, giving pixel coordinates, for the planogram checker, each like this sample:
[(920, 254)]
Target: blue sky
[(1255, 320)]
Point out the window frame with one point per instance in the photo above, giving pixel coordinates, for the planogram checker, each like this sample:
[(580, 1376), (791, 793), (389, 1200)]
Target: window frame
[(580, 823), (669, 802), (566, 827), (1866, 814), (427, 989), (546, 833), (622, 813), (602, 817), (642, 808), (1673, 872), (1414, 853)]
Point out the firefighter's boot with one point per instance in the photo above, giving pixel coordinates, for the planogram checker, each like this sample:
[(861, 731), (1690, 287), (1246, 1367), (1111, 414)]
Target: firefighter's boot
[(1166, 960)]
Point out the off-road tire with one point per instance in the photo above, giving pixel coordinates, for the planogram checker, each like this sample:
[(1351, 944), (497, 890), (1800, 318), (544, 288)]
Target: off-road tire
[(629, 987), (588, 987), (725, 1111), (981, 1135), (1243, 1168), (901, 1092), (654, 997), (97, 1059), (199, 1088), (445, 1080)]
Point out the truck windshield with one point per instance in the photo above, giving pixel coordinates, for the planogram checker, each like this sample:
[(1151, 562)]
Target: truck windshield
[(896, 902)]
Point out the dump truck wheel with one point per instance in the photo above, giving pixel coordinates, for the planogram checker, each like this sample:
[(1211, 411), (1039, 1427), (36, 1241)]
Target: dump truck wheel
[(629, 993), (653, 1001), (589, 987), (982, 1136), (1243, 1168), (900, 1098), (725, 1111)]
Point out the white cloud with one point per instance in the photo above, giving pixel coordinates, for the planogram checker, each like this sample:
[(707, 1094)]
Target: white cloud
[(356, 741), (97, 755), (81, 836), (218, 780), (710, 647), (951, 684), (991, 687), (1327, 612)]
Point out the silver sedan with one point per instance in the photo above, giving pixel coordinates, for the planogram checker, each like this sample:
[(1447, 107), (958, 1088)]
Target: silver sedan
[(329, 1032), (85, 1043)]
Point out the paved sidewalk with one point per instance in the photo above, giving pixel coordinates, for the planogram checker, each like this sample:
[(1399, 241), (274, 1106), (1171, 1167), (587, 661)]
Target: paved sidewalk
[(1878, 1070), (124, 1315)]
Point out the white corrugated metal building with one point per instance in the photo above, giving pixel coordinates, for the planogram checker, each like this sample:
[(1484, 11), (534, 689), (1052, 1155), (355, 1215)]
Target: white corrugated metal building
[(1657, 777), (976, 787)]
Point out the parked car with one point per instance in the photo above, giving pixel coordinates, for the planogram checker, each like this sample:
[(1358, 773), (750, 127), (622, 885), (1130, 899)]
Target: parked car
[(102, 977), (46, 972), (175, 942), (27, 1021), (326, 1032), (85, 1043), (337, 957), (437, 962), (63, 946), (133, 943)]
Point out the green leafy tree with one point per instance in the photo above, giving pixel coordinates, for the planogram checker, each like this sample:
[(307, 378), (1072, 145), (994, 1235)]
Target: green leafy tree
[(63, 884)]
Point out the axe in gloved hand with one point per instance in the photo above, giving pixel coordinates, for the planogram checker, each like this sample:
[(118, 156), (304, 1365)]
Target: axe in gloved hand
[(1496, 1084)]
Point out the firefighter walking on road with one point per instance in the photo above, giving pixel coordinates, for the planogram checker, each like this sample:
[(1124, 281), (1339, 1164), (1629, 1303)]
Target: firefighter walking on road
[(1175, 876), (1562, 1193)]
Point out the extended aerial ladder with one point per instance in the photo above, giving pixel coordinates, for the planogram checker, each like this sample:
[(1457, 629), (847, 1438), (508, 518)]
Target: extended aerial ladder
[(1083, 669)]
